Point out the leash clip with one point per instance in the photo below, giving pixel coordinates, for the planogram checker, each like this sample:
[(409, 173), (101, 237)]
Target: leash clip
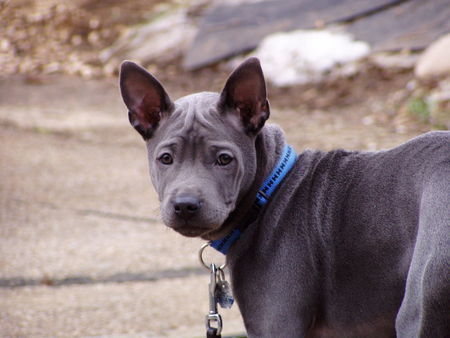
[(213, 316), (219, 293)]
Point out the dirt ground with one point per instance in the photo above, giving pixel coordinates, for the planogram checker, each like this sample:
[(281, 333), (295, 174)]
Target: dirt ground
[(82, 249)]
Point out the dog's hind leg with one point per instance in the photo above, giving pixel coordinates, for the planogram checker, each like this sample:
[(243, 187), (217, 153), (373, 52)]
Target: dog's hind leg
[(425, 310)]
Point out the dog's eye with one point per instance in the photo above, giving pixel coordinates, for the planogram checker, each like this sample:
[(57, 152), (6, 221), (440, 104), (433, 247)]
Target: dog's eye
[(166, 159), (224, 159)]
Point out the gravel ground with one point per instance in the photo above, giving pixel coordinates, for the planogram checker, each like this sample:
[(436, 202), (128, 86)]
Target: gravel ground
[(164, 308)]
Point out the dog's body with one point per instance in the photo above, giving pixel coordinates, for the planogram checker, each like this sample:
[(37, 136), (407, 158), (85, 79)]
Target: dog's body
[(352, 244), (335, 245)]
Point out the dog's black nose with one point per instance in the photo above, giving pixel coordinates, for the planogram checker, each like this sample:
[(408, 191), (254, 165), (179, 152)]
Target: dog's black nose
[(186, 206)]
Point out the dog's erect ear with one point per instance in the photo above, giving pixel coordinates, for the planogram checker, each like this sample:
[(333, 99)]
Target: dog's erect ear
[(145, 98), (245, 94)]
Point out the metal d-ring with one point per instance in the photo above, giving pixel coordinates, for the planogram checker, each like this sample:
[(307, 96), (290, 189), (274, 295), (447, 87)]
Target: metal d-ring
[(200, 256)]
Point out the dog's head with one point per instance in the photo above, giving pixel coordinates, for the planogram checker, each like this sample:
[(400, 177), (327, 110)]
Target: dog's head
[(201, 148)]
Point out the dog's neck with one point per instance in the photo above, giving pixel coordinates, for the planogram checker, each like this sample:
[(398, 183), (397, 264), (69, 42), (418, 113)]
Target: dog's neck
[(269, 146)]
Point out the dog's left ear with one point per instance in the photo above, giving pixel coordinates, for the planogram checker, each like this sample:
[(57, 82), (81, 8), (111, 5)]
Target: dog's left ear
[(245, 94)]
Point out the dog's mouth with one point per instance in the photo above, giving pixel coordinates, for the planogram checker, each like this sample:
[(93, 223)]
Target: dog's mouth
[(192, 231), (201, 222)]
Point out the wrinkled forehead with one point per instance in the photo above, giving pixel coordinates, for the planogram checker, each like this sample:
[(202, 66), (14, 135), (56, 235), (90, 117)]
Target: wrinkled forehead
[(197, 115)]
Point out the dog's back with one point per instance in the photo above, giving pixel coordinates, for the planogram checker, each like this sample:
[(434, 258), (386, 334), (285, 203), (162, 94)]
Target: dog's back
[(348, 223), (395, 202)]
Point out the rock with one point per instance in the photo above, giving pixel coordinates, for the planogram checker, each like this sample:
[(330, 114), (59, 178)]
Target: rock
[(394, 60), (166, 38), (435, 60), (304, 56), (407, 25), (231, 28)]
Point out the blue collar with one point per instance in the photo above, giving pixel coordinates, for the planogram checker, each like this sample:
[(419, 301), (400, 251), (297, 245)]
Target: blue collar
[(284, 165)]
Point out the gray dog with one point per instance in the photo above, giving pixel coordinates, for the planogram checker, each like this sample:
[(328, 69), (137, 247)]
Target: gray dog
[(323, 244)]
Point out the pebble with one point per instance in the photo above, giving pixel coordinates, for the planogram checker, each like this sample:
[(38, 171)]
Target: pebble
[(435, 61)]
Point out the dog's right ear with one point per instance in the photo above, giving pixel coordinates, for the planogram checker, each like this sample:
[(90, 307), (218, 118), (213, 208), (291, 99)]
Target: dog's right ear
[(145, 97)]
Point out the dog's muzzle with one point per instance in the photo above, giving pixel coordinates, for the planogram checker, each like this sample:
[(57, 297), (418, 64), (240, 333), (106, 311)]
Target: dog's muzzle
[(186, 206)]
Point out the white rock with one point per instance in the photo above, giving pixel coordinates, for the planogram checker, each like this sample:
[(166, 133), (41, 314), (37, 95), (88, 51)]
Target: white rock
[(395, 60), (5, 45), (435, 60), (304, 56)]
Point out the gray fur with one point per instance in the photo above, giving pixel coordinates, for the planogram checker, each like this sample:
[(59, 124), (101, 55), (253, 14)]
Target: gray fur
[(352, 244)]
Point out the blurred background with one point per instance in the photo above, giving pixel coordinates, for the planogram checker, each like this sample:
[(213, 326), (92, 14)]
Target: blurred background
[(82, 249)]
